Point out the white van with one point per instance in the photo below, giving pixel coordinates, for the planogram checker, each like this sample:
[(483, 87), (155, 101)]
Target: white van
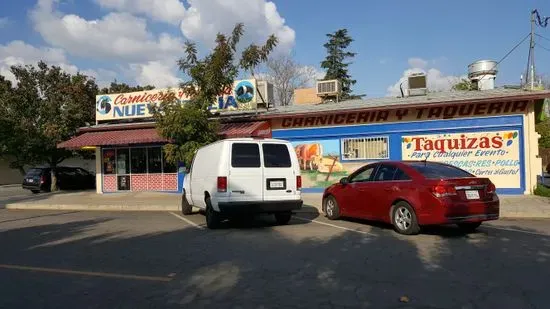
[(243, 176)]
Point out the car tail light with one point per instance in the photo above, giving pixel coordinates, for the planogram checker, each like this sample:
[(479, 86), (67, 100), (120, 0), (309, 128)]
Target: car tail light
[(491, 188), (42, 179), (298, 182), (442, 190), (222, 184)]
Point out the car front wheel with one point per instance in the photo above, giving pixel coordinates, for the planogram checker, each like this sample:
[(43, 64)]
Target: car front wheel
[(332, 210), (404, 219)]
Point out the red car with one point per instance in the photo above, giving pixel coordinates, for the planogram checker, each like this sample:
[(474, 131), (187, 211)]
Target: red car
[(409, 194)]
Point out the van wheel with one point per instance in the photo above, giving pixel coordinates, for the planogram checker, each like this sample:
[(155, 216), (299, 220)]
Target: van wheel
[(404, 219), (186, 208), (469, 227), (330, 206), (283, 218), (212, 217)]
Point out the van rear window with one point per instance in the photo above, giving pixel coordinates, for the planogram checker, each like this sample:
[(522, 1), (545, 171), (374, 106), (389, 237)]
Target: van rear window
[(245, 155), (276, 155)]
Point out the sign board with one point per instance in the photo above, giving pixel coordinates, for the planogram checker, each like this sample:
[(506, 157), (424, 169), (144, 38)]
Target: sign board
[(495, 155), (402, 114), (242, 96), (134, 104)]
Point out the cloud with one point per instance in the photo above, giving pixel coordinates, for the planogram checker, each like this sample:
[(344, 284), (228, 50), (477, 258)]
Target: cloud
[(437, 80), (157, 73), (205, 18), (21, 53), (4, 21), (170, 11), (119, 36)]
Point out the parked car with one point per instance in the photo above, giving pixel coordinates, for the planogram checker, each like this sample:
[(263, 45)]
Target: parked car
[(38, 179), (409, 194), (240, 177)]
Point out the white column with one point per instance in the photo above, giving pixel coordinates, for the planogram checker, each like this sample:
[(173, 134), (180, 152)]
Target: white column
[(98, 170)]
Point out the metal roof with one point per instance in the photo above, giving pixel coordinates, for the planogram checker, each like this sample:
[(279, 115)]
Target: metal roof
[(436, 98)]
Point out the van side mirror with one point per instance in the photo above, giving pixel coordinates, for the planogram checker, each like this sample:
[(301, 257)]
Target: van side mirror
[(344, 181)]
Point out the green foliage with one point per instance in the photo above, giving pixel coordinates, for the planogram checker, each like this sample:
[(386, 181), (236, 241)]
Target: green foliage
[(188, 125), (116, 87), (464, 85), (543, 128), (46, 107), (335, 63), (541, 190)]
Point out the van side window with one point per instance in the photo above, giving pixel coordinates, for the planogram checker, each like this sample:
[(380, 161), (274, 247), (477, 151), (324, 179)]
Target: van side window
[(245, 155), (276, 155)]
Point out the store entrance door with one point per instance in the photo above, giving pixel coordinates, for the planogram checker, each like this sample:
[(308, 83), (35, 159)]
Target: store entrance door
[(123, 169)]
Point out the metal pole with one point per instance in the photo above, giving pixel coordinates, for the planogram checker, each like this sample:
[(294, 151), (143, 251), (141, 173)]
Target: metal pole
[(532, 51)]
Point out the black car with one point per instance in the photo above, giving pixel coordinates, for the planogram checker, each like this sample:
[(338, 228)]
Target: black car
[(39, 179)]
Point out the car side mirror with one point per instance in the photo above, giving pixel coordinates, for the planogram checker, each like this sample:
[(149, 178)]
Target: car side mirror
[(344, 181)]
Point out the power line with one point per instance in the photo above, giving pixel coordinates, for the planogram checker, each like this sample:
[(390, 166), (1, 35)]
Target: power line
[(542, 21), (508, 54), (542, 37), (546, 48)]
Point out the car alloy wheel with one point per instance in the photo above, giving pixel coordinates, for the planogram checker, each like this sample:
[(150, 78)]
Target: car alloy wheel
[(404, 219), (331, 208)]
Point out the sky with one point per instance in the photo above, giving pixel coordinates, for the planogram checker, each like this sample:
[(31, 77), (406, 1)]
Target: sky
[(139, 41)]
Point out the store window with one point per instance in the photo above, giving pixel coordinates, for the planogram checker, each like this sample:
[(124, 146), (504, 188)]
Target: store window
[(139, 160), (155, 159), (365, 148), (109, 163)]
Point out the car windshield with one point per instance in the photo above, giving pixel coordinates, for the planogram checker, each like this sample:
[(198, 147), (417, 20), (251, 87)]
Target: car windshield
[(438, 171), (34, 172)]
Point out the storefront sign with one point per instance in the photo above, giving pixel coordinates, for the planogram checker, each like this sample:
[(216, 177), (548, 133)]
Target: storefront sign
[(485, 154), (134, 104), (403, 114), (241, 97)]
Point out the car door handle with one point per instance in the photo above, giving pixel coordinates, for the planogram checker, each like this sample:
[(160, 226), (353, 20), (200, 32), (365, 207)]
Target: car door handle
[(391, 189), (238, 191)]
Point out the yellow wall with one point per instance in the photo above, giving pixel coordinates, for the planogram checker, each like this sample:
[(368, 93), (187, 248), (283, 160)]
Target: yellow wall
[(306, 96), (533, 163)]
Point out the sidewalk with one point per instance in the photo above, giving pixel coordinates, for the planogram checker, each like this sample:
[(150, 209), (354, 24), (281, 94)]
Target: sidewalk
[(511, 206)]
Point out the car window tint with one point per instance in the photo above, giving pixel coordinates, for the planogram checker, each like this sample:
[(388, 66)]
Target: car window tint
[(364, 175), (436, 171), (34, 172), (245, 155), (385, 173), (276, 155), (400, 175)]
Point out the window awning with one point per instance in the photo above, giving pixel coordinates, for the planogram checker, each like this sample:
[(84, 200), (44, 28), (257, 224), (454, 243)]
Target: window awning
[(113, 138), (150, 135), (246, 129)]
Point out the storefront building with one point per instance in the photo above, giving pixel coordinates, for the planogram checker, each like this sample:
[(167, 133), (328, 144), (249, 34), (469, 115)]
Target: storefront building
[(488, 133)]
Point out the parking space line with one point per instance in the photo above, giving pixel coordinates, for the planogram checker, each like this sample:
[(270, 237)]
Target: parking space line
[(85, 273), (334, 226), (187, 221), (514, 230)]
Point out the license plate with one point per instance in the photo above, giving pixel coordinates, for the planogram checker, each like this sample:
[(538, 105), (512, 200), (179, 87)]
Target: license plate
[(277, 184), (472, 194)]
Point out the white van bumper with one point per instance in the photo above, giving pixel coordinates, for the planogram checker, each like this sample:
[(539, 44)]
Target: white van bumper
[(259, 207)]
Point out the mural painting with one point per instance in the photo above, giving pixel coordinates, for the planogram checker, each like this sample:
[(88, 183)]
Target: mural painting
[(320, 163)]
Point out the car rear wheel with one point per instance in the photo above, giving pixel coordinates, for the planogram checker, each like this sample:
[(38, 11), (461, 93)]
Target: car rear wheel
[(213, 218), (404, 219), (469, 227), (331, 208), (283, 218), (35, 191), (186, 208)]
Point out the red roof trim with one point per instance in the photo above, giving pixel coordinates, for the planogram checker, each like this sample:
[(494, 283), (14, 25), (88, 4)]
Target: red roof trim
[(111, 138)]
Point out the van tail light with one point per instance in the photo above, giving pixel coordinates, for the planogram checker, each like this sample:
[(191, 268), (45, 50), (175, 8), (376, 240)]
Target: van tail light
[(491, 189), (222, 184), (298, 182), (42, 179), (443, 190)]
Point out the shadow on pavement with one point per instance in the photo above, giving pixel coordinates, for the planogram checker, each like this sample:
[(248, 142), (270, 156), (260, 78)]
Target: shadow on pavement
[(296, 266)]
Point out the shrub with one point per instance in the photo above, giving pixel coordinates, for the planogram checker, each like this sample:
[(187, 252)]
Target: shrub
[(541, 190)]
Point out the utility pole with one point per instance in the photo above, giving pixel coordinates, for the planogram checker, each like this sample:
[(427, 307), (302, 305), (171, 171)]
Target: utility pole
[(530, 74)]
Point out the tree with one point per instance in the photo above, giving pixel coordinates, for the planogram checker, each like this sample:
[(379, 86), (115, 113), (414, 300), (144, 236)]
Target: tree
[(188, 126), (335, 63), (116, 87), (464, 85), (46, 107), (286, 76)]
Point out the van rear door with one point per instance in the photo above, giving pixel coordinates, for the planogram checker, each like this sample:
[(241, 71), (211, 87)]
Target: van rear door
[(279, 181), (245, 172)]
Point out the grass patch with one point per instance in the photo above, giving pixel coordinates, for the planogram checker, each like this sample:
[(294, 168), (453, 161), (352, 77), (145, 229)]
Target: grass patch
[(541, 190)]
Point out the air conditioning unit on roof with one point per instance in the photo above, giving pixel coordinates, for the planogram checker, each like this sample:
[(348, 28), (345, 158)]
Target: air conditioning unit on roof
[(418, 84), (331, 87)]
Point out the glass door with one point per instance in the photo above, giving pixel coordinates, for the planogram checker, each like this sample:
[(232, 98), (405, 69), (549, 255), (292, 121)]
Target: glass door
[(123, 169)]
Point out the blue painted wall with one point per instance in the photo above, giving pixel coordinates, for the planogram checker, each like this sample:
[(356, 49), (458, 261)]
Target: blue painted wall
[(395, 132)]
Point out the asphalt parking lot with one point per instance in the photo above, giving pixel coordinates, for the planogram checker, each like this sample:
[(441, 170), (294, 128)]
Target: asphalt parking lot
[(70, 259)]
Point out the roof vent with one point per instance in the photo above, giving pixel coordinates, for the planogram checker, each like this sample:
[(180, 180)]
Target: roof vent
[(418, 84), (483, 74)]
